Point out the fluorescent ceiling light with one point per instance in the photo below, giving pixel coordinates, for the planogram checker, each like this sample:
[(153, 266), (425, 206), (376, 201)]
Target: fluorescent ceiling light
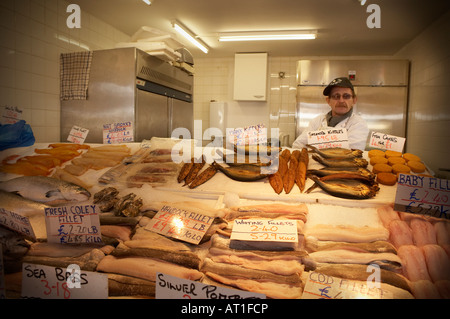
[(267, 36), (192, 38), (147, 2)]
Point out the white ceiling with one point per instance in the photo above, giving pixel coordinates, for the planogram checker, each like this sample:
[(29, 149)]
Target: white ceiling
[(341, 24)]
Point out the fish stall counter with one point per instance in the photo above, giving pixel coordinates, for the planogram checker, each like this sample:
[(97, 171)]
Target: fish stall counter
[(337, 237)]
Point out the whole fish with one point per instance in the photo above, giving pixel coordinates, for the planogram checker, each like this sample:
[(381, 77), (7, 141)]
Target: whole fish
[(337, 152), (339, 162), (45, 189), (345, 170), (19, 205), (12, 243), (243, 173), (236, 160), (345, 188)]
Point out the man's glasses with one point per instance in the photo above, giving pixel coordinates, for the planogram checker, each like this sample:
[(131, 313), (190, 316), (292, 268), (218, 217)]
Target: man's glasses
[(345, 96)]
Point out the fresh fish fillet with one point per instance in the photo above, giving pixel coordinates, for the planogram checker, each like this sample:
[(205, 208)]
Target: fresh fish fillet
[(400, 233), (115, 231), (423, 232), (119, 285), (87, 261), (58, 250), (438, 263), (387, 214), (443, 286), (414, 265), (387, 261), (269, 288), (235, 270), (280, 267), (313, 244), (347, 233), (359, 272), (145, 268), (442, 230), (150, 244), (424, 289)]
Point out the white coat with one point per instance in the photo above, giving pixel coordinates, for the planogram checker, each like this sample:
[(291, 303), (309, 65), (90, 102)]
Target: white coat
[(356, 126)]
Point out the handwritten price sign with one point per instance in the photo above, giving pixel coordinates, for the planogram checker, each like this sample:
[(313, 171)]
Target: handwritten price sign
[(387, 142), (265, 230), (423, 195), (329, 138), (39, 281), (181, 224), (77, 134), (73, 224), (16, 222), (321, 286)]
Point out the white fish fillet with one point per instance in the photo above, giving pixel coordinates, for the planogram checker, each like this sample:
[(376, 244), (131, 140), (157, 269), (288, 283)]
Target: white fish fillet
[(400, 233), (424, 289), (344, 256), (115, 231), (145, 268), (442, 230), (423, 232), (414, 265), (347, 233), (387, 214), (443, 286), (438, 263), (280, 267), (270, 289)]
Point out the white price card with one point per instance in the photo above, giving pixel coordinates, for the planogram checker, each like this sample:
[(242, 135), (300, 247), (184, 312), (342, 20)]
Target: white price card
[(77, 135), (321, 286), (265, 230), (329, 138), (73, 224), (179, 223), (387, 142), (116, 133), (423, 195), (170, 287), (11, 115), (16, 222), (39, 281)]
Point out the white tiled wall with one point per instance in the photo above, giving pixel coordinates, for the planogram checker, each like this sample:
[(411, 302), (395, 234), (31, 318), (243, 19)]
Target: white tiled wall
[(428, 132), (213, 80), (33, 34)]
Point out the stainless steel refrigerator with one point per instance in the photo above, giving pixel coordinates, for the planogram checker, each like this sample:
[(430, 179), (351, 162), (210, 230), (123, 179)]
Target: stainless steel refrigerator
[(380, 85), (129, 85)]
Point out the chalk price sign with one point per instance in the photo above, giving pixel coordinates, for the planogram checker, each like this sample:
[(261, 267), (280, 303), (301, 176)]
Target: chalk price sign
[(423, 195)]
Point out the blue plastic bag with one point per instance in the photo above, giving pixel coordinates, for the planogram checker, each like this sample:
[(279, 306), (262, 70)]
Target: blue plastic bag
[(16, 135)]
